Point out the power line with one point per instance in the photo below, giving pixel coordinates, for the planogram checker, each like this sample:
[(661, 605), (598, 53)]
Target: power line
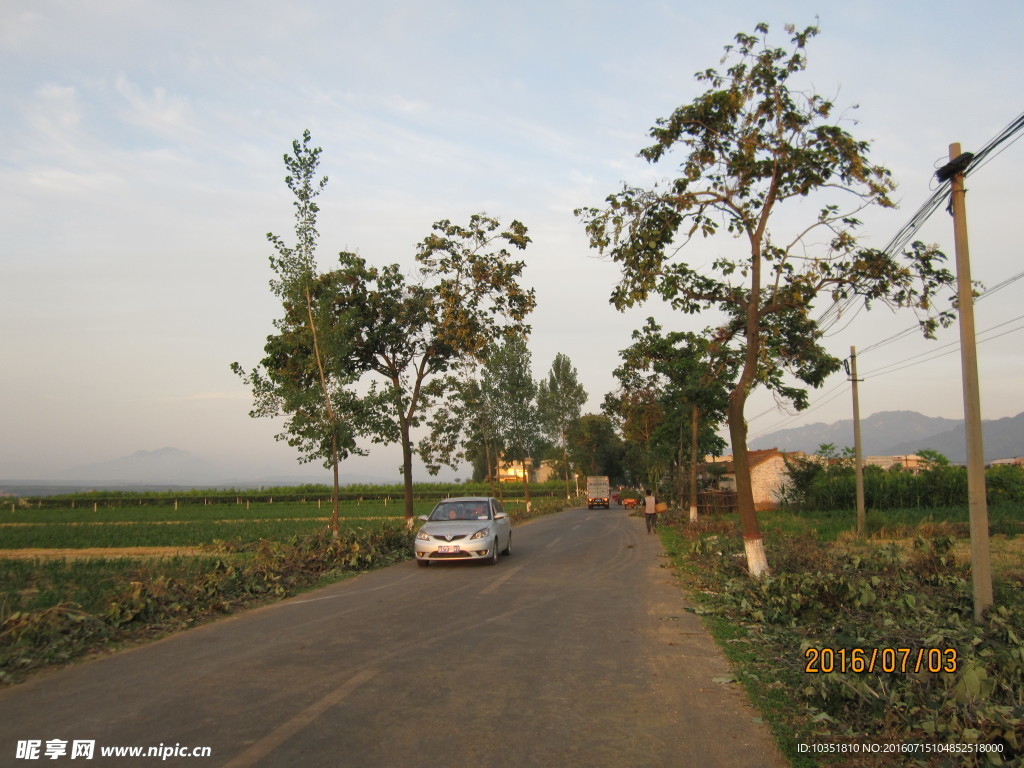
[(835, 392), (955, 344), (1009, 135), (830, 316), (839, 389), (899, 335)]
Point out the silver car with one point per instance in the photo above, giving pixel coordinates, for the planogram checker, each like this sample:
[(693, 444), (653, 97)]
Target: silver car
[(472, 528)]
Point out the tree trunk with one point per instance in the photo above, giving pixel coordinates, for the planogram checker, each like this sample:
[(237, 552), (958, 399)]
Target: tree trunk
[(490, 464), (407, 471), (334, 490), (694, 431), (757, 562), (565, 462)]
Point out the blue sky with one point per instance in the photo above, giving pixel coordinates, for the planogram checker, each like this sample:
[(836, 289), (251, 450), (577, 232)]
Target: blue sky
[(140, 170)]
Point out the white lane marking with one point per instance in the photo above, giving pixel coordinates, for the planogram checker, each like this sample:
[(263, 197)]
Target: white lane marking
[(286, 730), (337, 595), (498, 582)]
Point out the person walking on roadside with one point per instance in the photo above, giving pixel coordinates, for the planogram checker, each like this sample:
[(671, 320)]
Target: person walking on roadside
[(650, 511)]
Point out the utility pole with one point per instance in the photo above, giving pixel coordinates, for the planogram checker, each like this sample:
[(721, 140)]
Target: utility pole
[(981, 564), (858, 455)]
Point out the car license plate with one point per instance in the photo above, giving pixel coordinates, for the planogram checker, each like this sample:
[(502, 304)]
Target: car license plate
[(448, 549)]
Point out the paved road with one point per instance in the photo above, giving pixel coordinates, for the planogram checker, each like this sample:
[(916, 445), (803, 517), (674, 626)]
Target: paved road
[(574, 651)]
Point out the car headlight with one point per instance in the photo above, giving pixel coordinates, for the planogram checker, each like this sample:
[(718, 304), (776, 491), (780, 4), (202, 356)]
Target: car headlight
[(423, 536), (483, 533)]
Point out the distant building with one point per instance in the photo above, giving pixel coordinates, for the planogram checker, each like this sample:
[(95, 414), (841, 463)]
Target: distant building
[(768, 474), (512, 471), (1017, 461), (910, 462)]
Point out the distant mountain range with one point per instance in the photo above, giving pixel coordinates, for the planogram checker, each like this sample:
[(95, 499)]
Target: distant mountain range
[(894, 433)]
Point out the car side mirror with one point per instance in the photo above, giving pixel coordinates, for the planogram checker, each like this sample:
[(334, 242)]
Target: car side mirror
[(500, 516), (424, 518)]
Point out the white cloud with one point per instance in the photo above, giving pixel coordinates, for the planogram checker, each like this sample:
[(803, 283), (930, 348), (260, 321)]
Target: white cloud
[(159, 111), (141, 166)]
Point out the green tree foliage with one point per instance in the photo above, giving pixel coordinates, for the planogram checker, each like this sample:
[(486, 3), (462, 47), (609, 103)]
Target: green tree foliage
[(828, 483), (560, 401), (755, 142), (412, 333), (689, 373), (462, 427), (307, 375), (597, 449), (508, 382), (639, 414)]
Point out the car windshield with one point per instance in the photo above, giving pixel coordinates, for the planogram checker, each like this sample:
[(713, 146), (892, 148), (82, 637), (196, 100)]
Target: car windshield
[(461, 510)]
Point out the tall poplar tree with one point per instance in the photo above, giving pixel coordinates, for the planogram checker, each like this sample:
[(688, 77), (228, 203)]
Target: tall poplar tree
[(306, 375), (508, 381), (560, 401)]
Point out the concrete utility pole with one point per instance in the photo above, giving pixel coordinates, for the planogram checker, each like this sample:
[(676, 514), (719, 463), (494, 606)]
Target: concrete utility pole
[(858, 454), (981, 563)]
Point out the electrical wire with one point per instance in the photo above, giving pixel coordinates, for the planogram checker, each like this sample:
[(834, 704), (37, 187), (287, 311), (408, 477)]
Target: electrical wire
[(900, 335), (839, 389), (831, 316), (835, 392), (1008, 136)]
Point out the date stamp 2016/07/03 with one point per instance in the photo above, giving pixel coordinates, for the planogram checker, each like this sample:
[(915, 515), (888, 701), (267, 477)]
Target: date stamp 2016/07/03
[(868, 660)]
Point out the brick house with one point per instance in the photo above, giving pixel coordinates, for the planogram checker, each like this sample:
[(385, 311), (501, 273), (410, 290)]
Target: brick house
[(768, 474)]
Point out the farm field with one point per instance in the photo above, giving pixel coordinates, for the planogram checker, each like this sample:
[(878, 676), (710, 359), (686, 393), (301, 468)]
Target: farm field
[(78, 579), (190, 526)]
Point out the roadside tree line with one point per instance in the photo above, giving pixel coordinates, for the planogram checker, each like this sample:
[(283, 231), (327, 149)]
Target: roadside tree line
[(368, 352), (765, 171)]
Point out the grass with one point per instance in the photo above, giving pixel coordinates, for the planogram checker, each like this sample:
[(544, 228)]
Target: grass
[(36, 585), (1005, 519)]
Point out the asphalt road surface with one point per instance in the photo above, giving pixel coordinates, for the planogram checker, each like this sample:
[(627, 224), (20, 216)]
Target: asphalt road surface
[(576, 650)]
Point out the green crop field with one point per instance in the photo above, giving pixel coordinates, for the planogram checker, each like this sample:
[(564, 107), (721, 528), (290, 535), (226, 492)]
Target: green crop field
[(78, 575), (187, 526)]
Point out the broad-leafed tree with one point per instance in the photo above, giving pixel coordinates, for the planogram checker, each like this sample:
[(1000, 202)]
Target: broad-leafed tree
[(691, 372), (411, 333), (757, 142)]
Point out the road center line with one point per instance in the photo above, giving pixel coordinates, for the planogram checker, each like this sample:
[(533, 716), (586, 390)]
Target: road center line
[(553, 543), (286, 603), (286, 730), (498, 582)]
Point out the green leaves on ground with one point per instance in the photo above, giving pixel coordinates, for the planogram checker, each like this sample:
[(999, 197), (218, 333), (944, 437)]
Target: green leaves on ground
[(141, 599), (856, 597)]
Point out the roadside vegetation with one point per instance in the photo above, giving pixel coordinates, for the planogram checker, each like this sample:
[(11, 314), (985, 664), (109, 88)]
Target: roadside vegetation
[(56, 610), (803, 641)]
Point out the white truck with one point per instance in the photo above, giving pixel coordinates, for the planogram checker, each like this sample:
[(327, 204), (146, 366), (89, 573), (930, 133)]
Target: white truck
[(597, 492)]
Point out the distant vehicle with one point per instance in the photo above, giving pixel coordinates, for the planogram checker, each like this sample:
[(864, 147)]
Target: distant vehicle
[(597, 491), (470, 528)]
